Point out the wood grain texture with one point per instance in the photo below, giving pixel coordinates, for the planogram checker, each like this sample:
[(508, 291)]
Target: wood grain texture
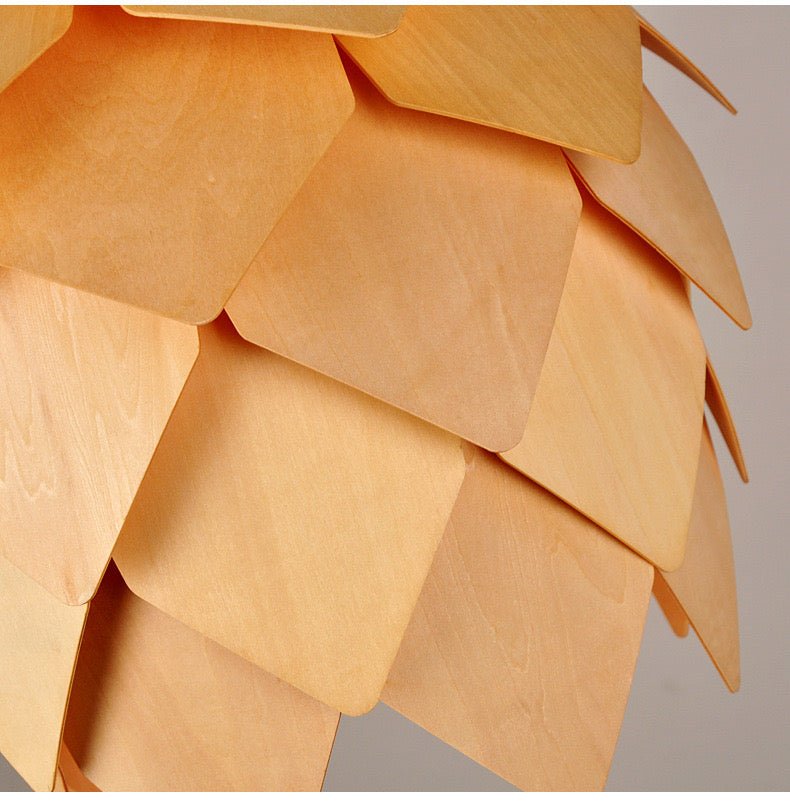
[(291, 519), (86, 388), (705, 583), (366, 21), (716, 401), (655, 41), (615, 424), (569, 75), (663, 197), (523, 644), (422, 262), (25, 33), (158, 707), (71, 776), (147, 160), (670, 606), (40, 638)]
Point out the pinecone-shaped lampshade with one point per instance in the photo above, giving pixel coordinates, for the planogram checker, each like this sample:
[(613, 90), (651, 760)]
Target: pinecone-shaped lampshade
[(347, 355)]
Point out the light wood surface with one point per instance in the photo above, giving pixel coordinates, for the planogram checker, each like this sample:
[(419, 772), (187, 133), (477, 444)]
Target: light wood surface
[(615, 423), (655, 41), (158, 707), (25, 33), (353, 20), (86, 388), (671, 607), (523, 644), (71, 776), (291, 519), (147, 160), (423, 262), (705, 583), (569, 75), (716, 401), (663, 197), (40, 638)]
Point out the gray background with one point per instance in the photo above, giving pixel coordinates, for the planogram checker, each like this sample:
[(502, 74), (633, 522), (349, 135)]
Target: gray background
[(682, 730)]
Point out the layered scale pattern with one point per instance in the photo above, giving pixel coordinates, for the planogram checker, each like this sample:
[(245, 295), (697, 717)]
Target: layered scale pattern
[(347, 355)]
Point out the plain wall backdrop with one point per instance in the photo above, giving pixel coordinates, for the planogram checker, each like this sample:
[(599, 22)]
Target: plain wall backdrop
[(683, 730)]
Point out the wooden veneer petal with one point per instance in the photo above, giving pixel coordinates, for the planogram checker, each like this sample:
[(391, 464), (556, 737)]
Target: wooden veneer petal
[(147, 160), (290, 518), (705, 583), (522, 647), (364, 21), (670, 606), (40, 638), (717, 402), (615, 423), (422, 262), (664, 198), (569, 75), (86, 388), (71, 776)]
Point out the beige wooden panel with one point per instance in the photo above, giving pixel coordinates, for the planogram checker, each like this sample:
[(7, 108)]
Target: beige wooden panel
[(71, 776), (291, 519), (705, 583), (663, 197), (147, 160), (40, 638), (423, 262), (615, 423), (569, 75), (523, 644), (671, 607), (158, 707), (86, 388), (654, 41), (352, 20), (25, 33), (714, 396)]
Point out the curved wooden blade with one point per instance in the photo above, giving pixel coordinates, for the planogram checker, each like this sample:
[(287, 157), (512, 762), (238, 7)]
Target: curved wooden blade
[(569, 75), (671, 607), (422, 262), (705, 583), (291, 519), (40, 638), (663, 197), (714, 397), (655, 41), (86, 388), (523, 644), (72, 777), (158, 707), (615, 423), (25, 33), (366, 21), (147, 160)]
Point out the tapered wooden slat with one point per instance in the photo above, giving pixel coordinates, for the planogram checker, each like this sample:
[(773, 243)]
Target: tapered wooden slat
[(86, 388), (523, 644), (714, 397), (73, 779), (40, 638), (422, 262), (671, 607), (655, 41), (615, 423), (663, 197), (291, 519), (352, 20), (158, 707), (705, 583), (147, 160), (25, 33), (569, 75)]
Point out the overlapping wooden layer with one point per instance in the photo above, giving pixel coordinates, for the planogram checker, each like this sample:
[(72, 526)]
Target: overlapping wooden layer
[(521, 649), (147, 160), (714, 397), (422, 262), (86, 388), (158, 707), (40, 638), (615, 423), (569, 75), (291, 519), (663, 197), (670, 606)]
